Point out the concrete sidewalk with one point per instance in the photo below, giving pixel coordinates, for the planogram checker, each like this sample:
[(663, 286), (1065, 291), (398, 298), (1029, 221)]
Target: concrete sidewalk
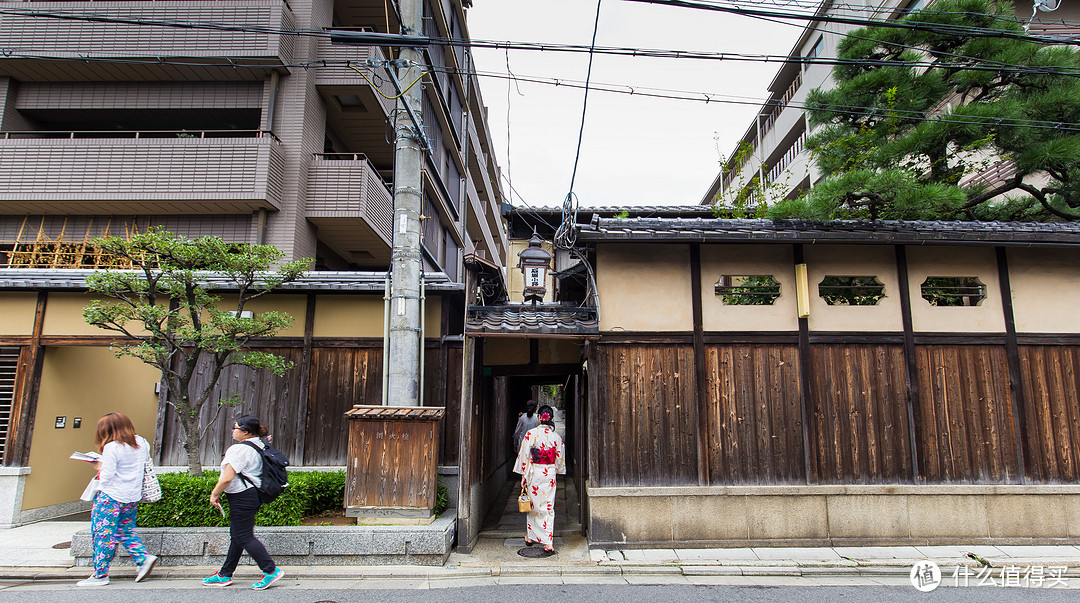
[(30, 553)]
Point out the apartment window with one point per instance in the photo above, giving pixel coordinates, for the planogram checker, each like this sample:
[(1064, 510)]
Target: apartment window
[(747, 290), (817, 49), (913, 6), (9, 362), (953, 290), (851, 290)]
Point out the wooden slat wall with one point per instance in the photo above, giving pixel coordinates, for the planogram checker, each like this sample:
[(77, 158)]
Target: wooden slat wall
[(755, 423), (857, 414), (340, 378), (273, 399), (648, 421), (1051, 376), (966, 429)]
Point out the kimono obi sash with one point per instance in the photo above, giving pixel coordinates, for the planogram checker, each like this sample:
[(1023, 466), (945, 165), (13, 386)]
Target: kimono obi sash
[(543, 455)]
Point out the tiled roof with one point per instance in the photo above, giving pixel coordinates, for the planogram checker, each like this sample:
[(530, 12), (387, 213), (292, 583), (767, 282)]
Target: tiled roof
[(638, 211), (531, 320), (847, 231), (60, 278)]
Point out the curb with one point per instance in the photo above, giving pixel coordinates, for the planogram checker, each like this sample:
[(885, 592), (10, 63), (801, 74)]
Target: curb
[(778, 568)]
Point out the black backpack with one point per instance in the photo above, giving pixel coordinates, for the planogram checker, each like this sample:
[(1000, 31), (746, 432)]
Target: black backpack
[(274, 475)]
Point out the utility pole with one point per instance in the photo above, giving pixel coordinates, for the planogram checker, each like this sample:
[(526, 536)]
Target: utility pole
[(405, 346)]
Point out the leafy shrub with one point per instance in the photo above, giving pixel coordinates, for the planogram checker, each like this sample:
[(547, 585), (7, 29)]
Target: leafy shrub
[(185, 500), (441, 499)]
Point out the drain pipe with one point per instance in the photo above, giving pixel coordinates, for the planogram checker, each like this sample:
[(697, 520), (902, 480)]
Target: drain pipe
[(386, 342), (423, 325)]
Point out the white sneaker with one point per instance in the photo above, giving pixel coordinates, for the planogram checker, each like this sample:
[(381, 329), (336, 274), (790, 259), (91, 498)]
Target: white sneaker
[(147, 565), (93, 581)]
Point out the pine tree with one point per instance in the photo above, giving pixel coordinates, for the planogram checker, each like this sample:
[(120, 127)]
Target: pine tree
[(918, 113)]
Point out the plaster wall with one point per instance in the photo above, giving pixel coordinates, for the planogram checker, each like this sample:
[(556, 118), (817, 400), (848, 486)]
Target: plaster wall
[(559, 351), (746, 260), (293, 305), (17, 313), (506, 351), (362, 316), (86, 382), (63, 315), (980, 262), (1045, 286), (644, 287), (743, 516), (853, 260)]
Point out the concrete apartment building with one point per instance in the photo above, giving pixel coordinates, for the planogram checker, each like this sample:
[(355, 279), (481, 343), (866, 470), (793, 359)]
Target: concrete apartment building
[(245, 120), (772, 149), (119, 115)]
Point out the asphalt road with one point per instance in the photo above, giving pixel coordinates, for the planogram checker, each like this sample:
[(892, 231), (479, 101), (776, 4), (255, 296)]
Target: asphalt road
[(326, 591)]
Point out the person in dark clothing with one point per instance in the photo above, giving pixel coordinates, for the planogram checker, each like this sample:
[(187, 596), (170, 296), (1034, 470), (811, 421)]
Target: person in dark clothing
[(243, 496), (525, 422)]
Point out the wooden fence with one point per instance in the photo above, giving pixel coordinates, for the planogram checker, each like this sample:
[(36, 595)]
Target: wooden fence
[(311, 429), (860, 428)]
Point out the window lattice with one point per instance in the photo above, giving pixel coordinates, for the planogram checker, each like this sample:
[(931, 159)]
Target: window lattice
[(953, 290), (851, 290), (9, 361), (747, 290)]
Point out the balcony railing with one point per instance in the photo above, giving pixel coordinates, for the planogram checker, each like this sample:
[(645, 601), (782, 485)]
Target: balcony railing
[(30, 32), (347, 185), (158, 172)]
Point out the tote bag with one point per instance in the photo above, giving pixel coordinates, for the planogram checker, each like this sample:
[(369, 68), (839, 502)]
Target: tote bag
[(151, 489)]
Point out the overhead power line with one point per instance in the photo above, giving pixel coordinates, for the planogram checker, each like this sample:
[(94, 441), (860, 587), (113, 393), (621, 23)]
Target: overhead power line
[(940, 28), (718, 98)]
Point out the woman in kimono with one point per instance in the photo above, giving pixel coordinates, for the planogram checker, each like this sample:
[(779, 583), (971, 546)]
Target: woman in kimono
[(540, 457)]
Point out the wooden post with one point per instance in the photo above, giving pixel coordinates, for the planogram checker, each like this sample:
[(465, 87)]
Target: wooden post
[(24, 409), (699, 367), (303, 412), (1012, 353), (805, 392), (593, 367), (465, 527), (910, 376)]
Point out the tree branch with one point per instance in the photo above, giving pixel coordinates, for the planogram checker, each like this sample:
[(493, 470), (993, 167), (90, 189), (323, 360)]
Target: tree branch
[(1038, 194)]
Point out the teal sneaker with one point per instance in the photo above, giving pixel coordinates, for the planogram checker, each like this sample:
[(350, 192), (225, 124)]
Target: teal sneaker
[(268, 579), (217, 580)]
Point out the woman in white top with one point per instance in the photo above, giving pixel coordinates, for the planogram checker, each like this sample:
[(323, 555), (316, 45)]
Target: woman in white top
[(112, 518), (243, 460)]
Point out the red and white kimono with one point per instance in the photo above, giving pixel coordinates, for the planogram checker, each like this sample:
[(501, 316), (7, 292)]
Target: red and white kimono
[(540, 457)]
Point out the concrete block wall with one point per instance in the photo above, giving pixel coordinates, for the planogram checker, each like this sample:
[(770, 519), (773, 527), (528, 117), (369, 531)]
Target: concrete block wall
[(428, 545), (740, 516)]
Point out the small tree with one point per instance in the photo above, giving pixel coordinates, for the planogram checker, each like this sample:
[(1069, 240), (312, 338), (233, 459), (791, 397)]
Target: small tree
[(171, 320)]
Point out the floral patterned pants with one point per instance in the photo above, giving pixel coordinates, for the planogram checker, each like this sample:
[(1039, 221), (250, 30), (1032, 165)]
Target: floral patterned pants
[(113, 522)]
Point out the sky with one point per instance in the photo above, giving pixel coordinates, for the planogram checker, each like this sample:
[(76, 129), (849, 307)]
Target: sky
[(635, 150)]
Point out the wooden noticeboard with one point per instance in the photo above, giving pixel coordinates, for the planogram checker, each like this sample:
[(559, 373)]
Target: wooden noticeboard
[(393, 457)]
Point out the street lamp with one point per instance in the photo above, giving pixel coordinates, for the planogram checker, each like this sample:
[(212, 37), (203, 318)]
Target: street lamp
[(534, 264)]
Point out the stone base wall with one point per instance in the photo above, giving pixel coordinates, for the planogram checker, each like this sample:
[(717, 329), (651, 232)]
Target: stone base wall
[(294, 545), (740, 516)]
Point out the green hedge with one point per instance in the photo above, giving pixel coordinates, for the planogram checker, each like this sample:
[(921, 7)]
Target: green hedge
[(185, 500)]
